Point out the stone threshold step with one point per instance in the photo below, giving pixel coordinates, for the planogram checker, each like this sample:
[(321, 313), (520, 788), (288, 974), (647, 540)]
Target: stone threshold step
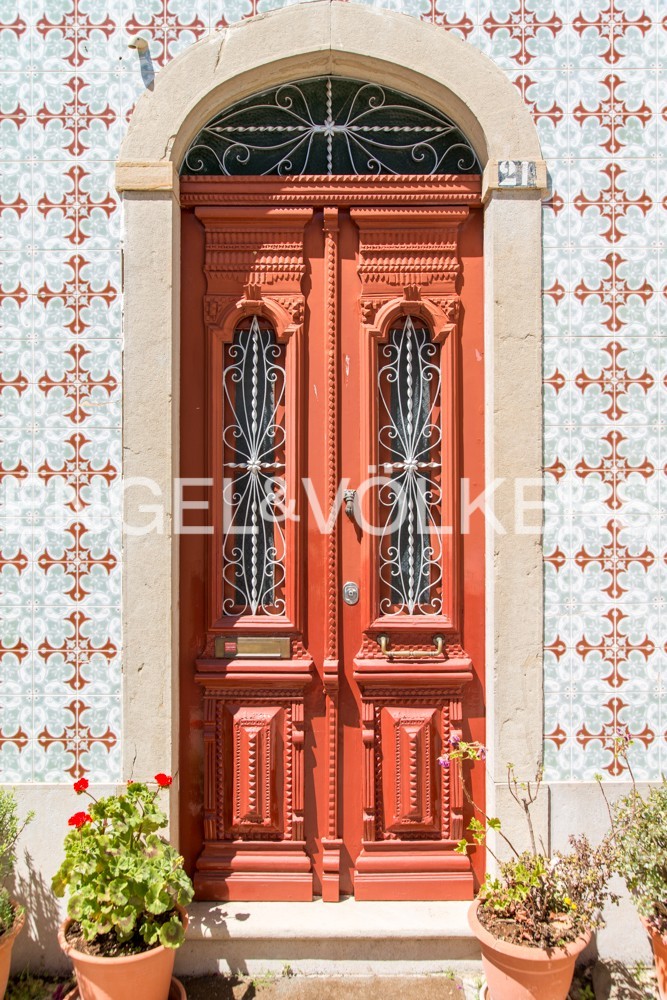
[(346, 938)]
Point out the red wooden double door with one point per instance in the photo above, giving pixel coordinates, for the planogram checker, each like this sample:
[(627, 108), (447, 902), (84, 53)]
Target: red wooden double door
[(331, 580)]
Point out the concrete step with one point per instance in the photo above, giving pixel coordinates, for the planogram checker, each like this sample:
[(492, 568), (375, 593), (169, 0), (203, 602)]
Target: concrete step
[(346, 938)]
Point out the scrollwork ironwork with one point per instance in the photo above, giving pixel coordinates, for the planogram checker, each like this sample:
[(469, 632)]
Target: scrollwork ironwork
[(409, 440), (253, 439), (330, 125)]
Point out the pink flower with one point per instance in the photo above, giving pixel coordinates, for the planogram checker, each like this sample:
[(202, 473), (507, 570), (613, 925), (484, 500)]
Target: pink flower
[(163, 780), (444, 761), (455, 739), (81, 785), (79, 819)]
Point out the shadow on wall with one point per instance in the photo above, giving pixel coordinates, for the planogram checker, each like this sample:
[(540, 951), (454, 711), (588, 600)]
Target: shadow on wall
[(43, 917)]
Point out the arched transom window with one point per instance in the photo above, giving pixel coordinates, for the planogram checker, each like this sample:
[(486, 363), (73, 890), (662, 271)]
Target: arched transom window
[(330, 125)]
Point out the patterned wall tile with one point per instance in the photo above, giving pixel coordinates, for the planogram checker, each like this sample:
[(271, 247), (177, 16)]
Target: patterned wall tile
[(591, 72)]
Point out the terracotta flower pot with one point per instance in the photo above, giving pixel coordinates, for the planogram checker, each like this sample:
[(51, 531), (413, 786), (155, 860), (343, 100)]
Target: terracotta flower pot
[(518, 972), (177, 992), (146, 975), (659, 945), (6, 944)]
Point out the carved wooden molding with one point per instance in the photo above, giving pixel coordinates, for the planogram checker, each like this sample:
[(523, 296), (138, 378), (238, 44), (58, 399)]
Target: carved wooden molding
[(406, 795), (331, 877), (413, 251), (284, 312), (440, 313), (254, 265), (256, 746), (385, 189), (261, 735)]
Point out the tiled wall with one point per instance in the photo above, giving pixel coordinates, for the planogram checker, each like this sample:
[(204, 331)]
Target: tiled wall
[(591, 73)]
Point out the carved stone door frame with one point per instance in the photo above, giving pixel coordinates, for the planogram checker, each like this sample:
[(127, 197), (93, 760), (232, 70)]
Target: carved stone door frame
[(296, 42)]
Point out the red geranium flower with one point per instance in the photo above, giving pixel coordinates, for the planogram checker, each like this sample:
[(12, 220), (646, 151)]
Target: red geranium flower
[(81, 785), (79, 819), (163, 780)]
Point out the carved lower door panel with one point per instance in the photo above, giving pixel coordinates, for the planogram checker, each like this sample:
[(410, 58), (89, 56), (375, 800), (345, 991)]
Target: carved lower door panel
[(335, 346), (412, 806), (254, 793)]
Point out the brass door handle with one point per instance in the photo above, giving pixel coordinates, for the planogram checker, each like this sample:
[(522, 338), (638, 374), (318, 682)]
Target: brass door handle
[(410, 654)]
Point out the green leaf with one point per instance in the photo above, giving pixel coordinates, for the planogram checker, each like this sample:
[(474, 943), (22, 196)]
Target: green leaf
[(125, 921), (172, 934), (76, 907)]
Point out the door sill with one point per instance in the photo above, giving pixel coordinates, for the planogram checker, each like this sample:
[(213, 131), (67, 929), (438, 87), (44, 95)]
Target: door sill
[(317, 938)]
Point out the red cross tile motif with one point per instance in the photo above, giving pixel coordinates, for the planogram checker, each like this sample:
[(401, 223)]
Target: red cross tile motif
[(556, 558), (615, 647), (18, 471), (18, 739), (612, 24), (20, 649), (77, 739), (463, 27), (614, 381), (555, 203), (608, 735), (76, 205), (612, 113), (523, 23), (18, 293), (78, 472), (77, 650), (18, 116), (555, 292), (17, 26), (19, 383), (18, 205), (614, 291), (614, 469), (558, 737), (557, 648), (77, 383), (76, 561), (613, 202), (76, 27), (165, 26), (554, 113), (18, 560), (614, 559), (77, 294), (556, 381), (556, 469), (76, 117)]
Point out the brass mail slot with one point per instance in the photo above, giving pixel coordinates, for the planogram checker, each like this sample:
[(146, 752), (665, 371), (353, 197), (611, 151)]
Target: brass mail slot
[(264, 646)]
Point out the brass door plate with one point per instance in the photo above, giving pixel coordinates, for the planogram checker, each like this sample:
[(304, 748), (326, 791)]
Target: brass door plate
[(228, 647)]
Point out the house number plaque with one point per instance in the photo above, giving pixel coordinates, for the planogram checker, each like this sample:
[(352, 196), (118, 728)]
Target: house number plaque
[(517, 174)]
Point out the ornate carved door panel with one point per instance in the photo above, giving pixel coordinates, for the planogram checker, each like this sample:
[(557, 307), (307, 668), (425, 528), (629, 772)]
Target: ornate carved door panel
[(332, 361)]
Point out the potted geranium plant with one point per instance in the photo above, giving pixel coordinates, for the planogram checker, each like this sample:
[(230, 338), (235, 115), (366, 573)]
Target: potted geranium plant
[(127, 893), (639, 824), (536, 914), (12, 915)]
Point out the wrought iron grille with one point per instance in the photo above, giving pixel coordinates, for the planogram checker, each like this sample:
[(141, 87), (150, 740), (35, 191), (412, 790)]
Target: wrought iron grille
[(330, 125), (253, 441), (409, 438)]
